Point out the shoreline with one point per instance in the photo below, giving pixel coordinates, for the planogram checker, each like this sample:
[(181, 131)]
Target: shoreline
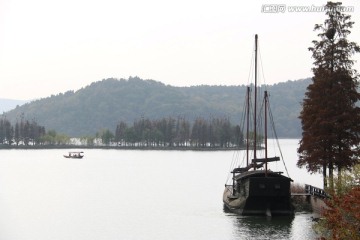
[(42, 147)]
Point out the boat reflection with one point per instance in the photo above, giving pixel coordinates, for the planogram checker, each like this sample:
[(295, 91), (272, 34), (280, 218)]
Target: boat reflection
[(261, 227)]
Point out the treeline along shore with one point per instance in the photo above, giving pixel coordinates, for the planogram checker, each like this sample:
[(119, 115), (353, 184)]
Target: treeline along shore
[(165, 133)]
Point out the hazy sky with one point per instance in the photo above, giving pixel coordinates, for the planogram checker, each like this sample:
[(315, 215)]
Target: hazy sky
[(48, 47)]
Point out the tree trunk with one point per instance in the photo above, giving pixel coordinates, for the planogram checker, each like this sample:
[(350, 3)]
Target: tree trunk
[(324, 176), (339, 181), (331, 177)]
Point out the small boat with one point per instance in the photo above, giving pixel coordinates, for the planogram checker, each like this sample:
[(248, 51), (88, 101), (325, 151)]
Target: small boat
[(254, 189), (74, 155)]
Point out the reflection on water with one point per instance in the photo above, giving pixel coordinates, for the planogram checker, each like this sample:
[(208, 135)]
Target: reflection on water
[(264, 228), (261, 227)]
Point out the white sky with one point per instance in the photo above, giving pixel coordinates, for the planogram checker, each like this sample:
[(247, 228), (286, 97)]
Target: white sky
[(48, 47)]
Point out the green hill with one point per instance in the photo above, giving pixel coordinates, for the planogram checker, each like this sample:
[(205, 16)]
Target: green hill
[(103, 104)]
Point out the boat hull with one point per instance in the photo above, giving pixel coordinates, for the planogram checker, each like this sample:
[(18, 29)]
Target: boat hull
[(265, 206), (255, 194)]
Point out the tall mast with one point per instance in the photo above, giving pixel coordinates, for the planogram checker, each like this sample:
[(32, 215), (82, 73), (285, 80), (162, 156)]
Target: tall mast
[(266, 147), (247, 125), (255, 105)]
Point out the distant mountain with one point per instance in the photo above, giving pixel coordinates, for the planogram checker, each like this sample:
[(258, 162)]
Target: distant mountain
[(9, 104), (103, 104)]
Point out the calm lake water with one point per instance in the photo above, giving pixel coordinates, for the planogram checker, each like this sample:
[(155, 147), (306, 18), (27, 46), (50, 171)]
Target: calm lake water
[(132, 194)]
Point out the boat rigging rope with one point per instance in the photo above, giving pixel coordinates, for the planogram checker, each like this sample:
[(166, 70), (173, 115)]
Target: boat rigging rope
[(234, 164), (277, 139), (236, 155)]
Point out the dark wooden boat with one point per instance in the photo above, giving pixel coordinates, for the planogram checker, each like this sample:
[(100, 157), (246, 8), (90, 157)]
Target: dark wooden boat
[(256, 190), (74, 155)]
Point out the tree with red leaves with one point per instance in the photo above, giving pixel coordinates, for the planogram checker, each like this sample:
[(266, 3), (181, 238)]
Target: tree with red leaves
[(330, 119), (342, 217)]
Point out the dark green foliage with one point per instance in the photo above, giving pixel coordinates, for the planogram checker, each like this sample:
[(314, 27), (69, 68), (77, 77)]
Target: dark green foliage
[(53, 138), (170, 132), (6, 131), (106, 136), (103, 104), (24, 132)]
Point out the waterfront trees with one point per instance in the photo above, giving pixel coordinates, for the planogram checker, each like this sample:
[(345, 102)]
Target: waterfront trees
[(106, 136), (6, 131), (329, 117), (172, 132), (24, 132)]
